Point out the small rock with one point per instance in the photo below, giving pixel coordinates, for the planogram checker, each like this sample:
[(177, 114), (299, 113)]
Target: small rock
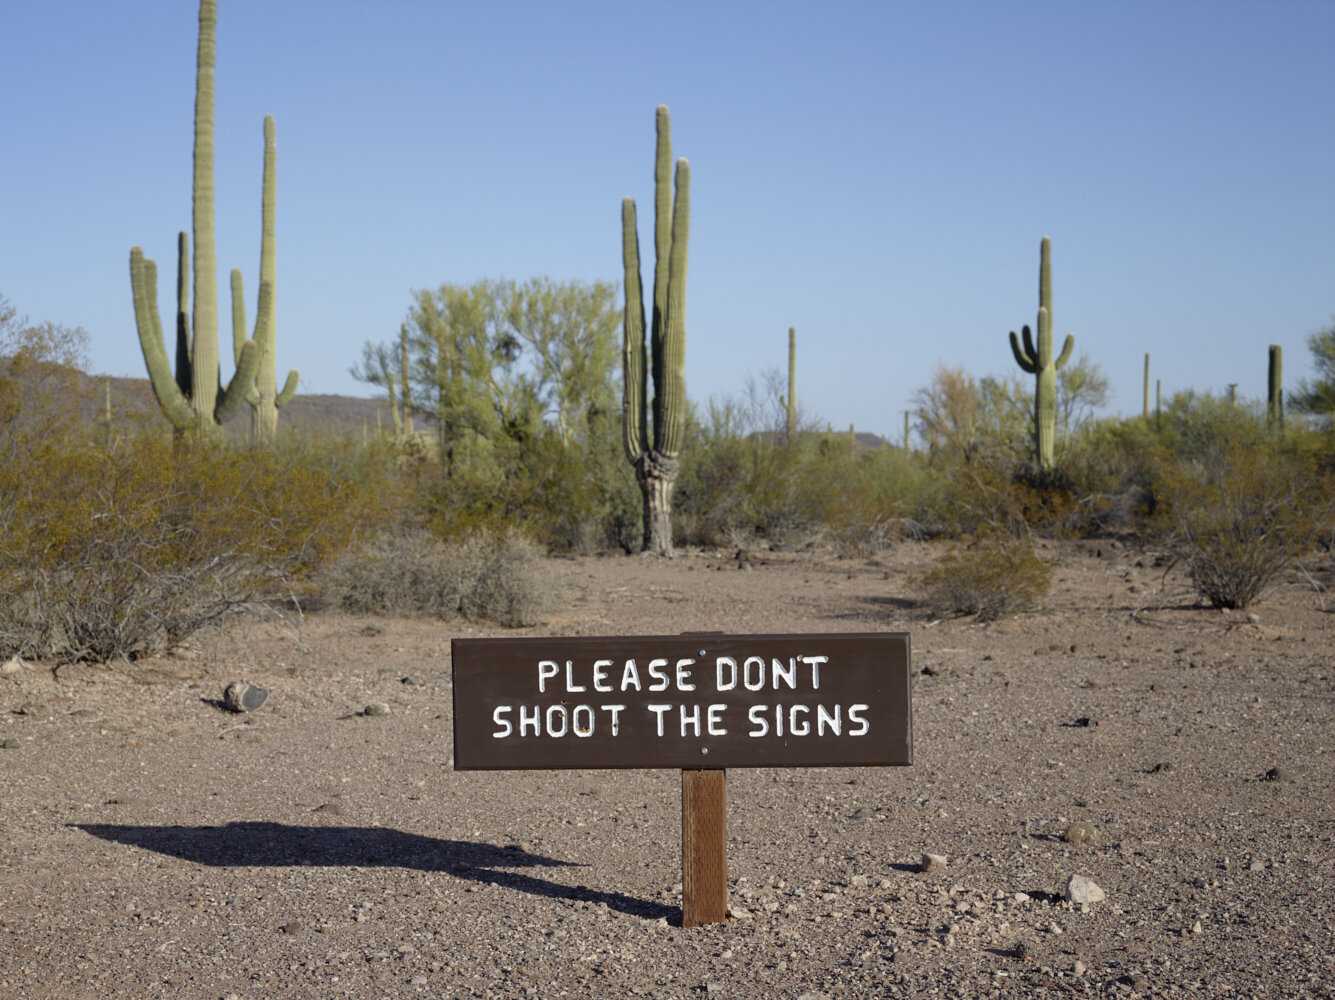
[(933, 863), (1022, 897), (1081, 833), (1082, 889), (858, 881), (376, 708), (1078, 968), (814, 996), (1132, 979), (10, 744), (1196, 927), (1254, 618), (713, 987), (293, 927), (417, 981), (243, 697), (331, 808), (1281, 774), (11, 666), (739, 913), (1256, 866)]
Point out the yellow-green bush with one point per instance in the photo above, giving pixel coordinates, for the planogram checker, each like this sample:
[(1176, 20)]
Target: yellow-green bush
[(1239, 517), (992, 577), (118, 553)]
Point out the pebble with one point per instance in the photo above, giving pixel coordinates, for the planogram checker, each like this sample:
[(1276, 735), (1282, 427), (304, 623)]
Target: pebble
[(11, 666), (1082, 889), (933, 863), (1081, 833), (293, 927), (242, 697), (1256, 866), (417, 981), (1078, 968), (376, 708)]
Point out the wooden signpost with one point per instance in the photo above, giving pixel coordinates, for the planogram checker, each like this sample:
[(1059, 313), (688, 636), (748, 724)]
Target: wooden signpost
[(701, 703)]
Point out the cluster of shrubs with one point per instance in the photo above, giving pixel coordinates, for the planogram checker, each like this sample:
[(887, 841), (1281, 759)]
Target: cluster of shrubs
[(121, 545)]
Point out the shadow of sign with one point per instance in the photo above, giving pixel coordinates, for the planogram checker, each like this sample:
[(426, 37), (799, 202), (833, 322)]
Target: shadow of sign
[(262, 844)]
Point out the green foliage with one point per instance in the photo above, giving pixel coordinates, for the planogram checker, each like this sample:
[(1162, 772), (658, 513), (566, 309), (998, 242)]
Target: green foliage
[(993, 577), (1240, 516), (497, 577), (1318, 395), (116, 556)]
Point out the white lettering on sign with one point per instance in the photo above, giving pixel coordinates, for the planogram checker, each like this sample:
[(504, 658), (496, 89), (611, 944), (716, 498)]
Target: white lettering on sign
[(693, 720)]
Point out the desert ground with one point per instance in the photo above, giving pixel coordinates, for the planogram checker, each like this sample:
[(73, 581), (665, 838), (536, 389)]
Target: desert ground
[(153, 844)]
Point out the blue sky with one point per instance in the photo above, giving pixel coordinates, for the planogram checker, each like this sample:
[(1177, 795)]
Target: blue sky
[(878, 175)]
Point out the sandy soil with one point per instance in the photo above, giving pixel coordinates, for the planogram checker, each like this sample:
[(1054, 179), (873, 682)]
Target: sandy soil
[(153, 845)]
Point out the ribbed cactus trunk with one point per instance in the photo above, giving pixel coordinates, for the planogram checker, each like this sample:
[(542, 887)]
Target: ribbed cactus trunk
[(790, 405), (1275, 389), (655, 457), (204, 378), (1037, 360), (1145, 409)]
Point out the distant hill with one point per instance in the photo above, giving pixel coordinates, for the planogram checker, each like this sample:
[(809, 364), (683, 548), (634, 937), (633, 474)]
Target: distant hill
[(132, 402)]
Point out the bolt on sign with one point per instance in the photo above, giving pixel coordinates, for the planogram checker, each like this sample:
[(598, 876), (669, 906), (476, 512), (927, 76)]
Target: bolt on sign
[(701, 703)]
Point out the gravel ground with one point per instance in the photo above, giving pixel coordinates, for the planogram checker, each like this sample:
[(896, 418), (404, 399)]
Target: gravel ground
[(154, 845)]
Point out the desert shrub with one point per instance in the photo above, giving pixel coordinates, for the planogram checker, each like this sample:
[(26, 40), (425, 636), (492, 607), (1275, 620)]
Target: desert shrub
[(120, 554), (1242, 516), (991, 578), (498, 577)]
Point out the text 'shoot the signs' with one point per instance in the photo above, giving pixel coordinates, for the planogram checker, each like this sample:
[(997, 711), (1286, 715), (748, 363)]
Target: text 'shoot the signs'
[(713, 701)]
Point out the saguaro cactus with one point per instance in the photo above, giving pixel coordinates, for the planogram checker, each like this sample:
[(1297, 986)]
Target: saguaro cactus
[(788, 403), (1275, 388), (1145, 409), (654, 456), (264, 398), (1037, 360), (194, 398)]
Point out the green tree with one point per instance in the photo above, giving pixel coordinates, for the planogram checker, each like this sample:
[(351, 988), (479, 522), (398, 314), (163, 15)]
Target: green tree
[(1082, 387), (1318, 395), (501, 363)]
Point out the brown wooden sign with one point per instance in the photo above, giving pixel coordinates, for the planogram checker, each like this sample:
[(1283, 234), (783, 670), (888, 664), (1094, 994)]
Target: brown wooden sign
[(692, 701)]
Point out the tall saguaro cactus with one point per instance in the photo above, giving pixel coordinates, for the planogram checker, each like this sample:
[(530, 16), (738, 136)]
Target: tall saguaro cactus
[(264, 397), (789, 403), (1275, 388), (194, 397), (1037, 360), (653, 451)]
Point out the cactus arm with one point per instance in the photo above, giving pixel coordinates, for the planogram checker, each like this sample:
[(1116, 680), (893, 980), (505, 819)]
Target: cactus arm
[(1066, 351), (662, 254), (229, 398), (670, 391), (144, 285), (238, 314), (204, 390), (184, 348), (634, 374), (289, 390), (1024, 357)]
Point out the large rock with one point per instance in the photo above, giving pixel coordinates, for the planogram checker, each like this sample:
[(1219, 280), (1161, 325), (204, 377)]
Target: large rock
[(1083, 889)]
